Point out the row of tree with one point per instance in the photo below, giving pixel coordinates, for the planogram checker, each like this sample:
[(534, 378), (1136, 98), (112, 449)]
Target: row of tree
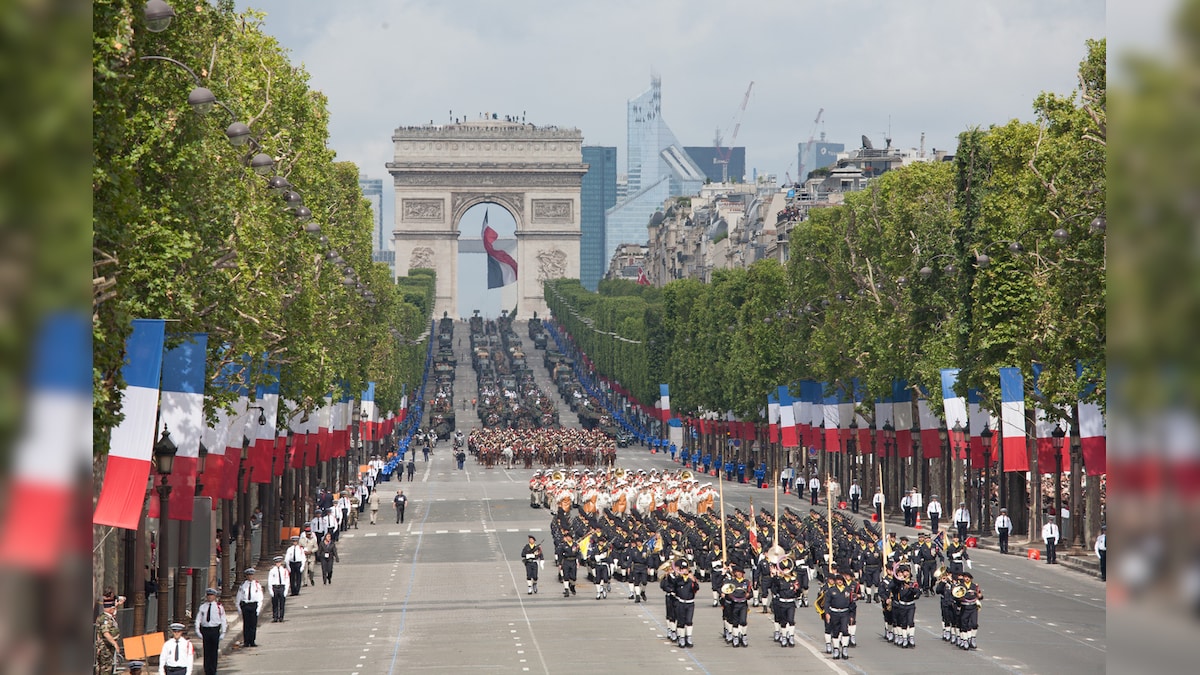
[(995, 259), (185, 229)]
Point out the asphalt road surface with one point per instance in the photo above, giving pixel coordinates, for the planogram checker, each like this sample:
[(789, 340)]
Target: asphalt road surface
[(445, 592)]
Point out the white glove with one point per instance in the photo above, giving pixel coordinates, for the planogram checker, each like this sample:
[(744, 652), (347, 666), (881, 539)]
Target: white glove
[(969, 564), (541, 564)]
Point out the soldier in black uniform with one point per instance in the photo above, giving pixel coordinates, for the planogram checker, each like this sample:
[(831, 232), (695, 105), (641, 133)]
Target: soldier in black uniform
[(872, 565), (785, 589), (836, 603), (886, 586), (686, 588), (599, 554), (904, 607), (667, 585), (568, 563), (762, 580), (926, 559), (968, 611), (944, 588), (956, 555), (532, 555), (852, 616), (639, 562), (739, 601), (717, 577)]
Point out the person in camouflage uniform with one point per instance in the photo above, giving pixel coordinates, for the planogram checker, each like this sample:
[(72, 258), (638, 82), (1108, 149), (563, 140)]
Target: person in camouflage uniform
[(108, 637)]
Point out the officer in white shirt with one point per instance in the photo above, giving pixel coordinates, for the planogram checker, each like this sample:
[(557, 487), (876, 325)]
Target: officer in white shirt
[(855, 495), (1102, 552), (934, 511), (295, 561), (877, 502), (1003, 528), (278, 580), (962, 520), (333, 522), (318, 524), (1050, 536), (211, 626), (343, 508), (906, 506), (250, 601), (177, 656), (917, 501), (814, 489)]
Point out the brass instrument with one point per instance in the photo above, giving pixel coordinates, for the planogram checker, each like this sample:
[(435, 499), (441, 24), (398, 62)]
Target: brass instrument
[(620, 473), (685, 475), (557, 475), (819, 603), (727, 588), (941, 572), (958, 591), (787, 566)]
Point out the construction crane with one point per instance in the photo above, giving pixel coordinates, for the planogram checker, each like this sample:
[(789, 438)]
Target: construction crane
[(812, 137), (723, 156)]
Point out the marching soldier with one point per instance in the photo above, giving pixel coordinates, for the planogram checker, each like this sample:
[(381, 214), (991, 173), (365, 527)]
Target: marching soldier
[(926, 559), (944, 588), (738, 599), (905, 592), (872, 566), (852, 616), (602, 573), (834, 604), (686, 589), (969, 599), (956, 555), (667, 586), (640, 564), (531, 554), (717, 577), (785, 589), (568, 564)]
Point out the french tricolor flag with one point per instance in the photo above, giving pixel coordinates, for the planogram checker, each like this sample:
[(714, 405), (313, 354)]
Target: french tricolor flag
[(266, 395), (325, 427), (181, 413), (773, 415), (1044, 429), (884, 416), (664, 402), (931, 445), (51, 455), (846, 414), (1093, 439), (788, 434), (955, 407), (403, 413), (215, 439), (902, 409), (367, 409), (1012, 420), (830, 410), (131, 445), (502, 269), (310, 430), (802, 415), (982, 418), (816, 416)]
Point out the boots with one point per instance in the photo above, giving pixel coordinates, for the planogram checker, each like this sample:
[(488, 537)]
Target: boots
[(535, 588), (689, 641), (681, 642)]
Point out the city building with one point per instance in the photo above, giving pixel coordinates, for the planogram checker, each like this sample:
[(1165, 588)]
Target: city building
[(815, 155), (709, 159), (381, 241), (658, 169), (627, 262), (598, 193)]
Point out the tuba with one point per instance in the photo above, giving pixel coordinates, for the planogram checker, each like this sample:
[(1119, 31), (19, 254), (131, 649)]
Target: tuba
[(685, 475), (557, 476)]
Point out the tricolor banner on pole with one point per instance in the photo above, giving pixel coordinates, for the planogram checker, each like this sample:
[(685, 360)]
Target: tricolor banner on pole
[(181, 413), (931, 445), (982, 418), (664, 402), (816, 409), (131, 445), (955, 407), (903, 413), (1044, 430), (220, 443), (266, 396), (830, 410), (884, 416), (366, 414), (787, 419), (802, 414), (774, 406), (1012, 420)]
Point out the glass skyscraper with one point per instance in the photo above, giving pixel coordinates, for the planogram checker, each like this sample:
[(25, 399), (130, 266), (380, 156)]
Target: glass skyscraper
[(598, 193), (381, 239), (658, 169)]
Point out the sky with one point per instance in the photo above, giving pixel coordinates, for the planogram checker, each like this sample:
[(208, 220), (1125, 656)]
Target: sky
[(875, 67)]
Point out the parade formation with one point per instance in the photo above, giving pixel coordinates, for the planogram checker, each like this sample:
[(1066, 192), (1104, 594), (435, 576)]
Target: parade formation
[(662, 526)]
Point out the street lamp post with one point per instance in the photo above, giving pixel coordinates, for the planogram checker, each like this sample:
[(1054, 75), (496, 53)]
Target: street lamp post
[(852, 448), (987, 437), (889, 450), (986, 507), (1056, 438), (164, 459), (957, 444)]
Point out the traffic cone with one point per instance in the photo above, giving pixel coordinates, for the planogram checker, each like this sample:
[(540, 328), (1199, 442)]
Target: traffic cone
[(918, 520), (787, 489)]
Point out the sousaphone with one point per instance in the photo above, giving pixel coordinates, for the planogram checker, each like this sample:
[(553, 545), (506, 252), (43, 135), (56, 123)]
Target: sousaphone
[(685, 475), (775, 554), (557, 475)]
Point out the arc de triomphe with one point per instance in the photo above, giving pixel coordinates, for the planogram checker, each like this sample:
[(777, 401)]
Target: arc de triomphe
[(533, 172)]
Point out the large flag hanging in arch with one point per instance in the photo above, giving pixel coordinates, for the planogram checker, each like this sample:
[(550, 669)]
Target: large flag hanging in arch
[(502, 269)]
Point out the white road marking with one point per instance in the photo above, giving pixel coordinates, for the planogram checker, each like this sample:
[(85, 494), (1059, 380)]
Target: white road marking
[(371, 534), (393, 534)]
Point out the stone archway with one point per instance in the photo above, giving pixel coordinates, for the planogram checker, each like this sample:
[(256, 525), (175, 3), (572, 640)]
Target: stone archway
[(440, 172)]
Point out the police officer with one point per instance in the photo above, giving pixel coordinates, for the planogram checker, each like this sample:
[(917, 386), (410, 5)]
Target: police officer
[(250, 601), (278, 580), (211, 626), (295, 559), (1003, 527), (177, 656), (934, 511), (855, 495)]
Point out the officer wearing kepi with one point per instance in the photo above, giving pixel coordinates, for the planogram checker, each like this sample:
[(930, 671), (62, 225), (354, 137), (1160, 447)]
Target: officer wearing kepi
[(211, 626)]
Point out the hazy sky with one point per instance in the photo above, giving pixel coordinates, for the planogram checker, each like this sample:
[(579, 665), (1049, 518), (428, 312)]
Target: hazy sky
[(932, 66)]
